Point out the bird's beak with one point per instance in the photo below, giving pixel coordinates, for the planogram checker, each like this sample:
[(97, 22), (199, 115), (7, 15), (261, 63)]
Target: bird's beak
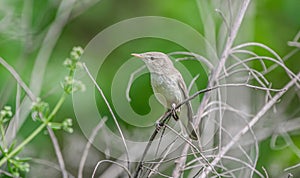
[(137, 55)]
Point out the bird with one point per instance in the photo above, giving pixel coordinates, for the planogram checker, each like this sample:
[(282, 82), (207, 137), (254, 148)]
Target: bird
[(168, 85)]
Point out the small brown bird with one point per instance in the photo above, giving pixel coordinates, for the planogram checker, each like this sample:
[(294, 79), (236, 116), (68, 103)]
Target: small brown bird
[(168, 84)]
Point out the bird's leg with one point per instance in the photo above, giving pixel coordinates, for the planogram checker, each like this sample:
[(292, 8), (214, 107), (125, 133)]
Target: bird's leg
[(174, 113), (159, 125)]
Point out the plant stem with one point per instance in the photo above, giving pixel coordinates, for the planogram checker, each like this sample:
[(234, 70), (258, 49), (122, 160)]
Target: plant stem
[(36, 132), (2, 135)]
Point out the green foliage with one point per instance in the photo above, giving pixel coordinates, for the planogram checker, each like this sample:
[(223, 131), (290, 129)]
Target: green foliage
[(65, 125), (71, 85), (16, 166), (5, 117), (5, 114), (41, 112)]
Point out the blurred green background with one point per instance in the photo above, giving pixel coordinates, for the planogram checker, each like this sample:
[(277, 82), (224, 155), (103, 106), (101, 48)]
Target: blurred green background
[(24, 24)]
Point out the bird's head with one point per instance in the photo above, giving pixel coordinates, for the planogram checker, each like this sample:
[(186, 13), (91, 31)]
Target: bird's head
[(155, 61)]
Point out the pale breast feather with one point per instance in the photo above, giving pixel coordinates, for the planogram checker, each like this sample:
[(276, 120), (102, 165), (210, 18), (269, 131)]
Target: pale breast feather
[(167, 86)]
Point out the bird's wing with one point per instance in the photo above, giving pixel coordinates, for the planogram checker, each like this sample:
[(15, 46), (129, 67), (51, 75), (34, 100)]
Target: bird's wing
[(184, 91)]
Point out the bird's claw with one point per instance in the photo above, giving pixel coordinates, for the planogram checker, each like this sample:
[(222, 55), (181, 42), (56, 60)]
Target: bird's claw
[(174, 113), (158, 125)]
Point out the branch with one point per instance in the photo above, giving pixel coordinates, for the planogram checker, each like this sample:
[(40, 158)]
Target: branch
[(110, 110), (88, 145), (161, 124), (49, 164), (167, 115), (255, 119), (225, 54), (58, 152), (15, 74), (41, 61), (100, 162)]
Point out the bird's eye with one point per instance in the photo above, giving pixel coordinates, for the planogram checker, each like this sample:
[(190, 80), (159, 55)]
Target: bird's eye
[(152, 58)]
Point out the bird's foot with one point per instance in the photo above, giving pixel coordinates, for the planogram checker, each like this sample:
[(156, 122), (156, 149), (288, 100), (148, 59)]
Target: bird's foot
[(174, 112), (158, 125)]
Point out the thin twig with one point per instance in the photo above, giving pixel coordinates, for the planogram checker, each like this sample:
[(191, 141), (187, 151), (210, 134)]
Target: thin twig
[(255, 119), (15, 74), (180, 162), (49, 164), (193, 146), (221, 65), (17, 113), (176, 157), (131, 80), (219, 11), (18, 148), (292, 167), (226, 85), (110, 110), (288, 71), (232, 159), (230, 172), (297, 36), (88, 145), (168, 114), (47, 46), (155, 168), (6, 173), (113, 162), (224, 56), (58, 152), (230, 135), (161, 137), (294, 44), (192, 82), (196, 56), (161, 123), (43, 56), (265, 171)]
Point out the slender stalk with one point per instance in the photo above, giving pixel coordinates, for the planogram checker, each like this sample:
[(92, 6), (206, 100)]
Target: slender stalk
[(161, 124), (61, 18), (110, 110), (253, 121), (168, 114), (226, 52), (88, 145), (2, 135), (15, 74), (180, 163), (58, 152), (113, 162), (36, 132)]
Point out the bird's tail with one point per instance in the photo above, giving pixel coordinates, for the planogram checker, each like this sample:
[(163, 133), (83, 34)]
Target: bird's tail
[(190, 129)]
